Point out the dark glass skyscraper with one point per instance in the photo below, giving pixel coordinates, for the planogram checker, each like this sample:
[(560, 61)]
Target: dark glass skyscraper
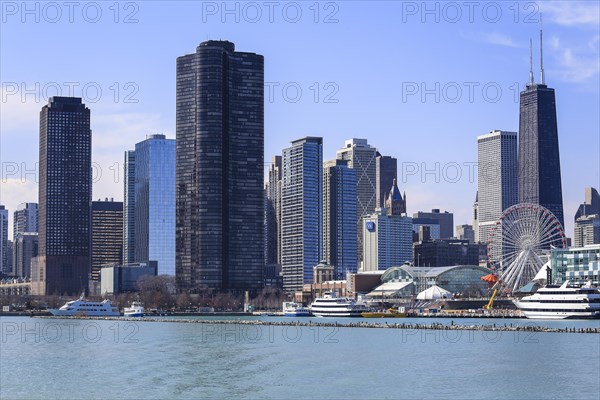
[(539, 161), (65, 194), (220, 153)]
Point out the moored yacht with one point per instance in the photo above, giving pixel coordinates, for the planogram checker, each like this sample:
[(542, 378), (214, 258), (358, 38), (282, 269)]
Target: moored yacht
[(293, 309), (561, 302), (135, 310), (332, 306), (80, 307)]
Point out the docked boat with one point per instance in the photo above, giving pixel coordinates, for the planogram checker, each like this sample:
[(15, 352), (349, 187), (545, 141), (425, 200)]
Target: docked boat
[(389, 313), (81, 307), (561, 302), (135, 310), (332, 306), (293, 309)]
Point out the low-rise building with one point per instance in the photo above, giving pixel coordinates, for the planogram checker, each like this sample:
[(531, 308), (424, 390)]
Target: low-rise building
[(445, 252), (578, 265), (115, 279)]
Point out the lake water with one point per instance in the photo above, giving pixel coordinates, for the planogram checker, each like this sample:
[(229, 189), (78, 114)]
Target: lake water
[(58, 359)]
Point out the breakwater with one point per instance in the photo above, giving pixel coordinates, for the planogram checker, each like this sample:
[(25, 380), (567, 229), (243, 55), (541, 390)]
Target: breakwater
[(358, 324)]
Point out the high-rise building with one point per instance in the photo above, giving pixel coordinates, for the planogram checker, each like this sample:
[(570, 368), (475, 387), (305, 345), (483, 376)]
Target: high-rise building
[(587, 219), (25, 218), (301, 211), (220, 169), (590, 205), (25, 238), (24, 250), (465, 232), (129, 207), (386, 173), (497, 178), (587, 230), (4, 264), (539, 160), (65, 191), (152, 201), (444, 219), (387, 240), (425, 229), (107, 234), (363, 158), (273, 214), (339, 217)]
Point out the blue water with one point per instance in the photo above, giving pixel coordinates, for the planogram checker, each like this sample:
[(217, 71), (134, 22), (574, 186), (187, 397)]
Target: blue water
[(57, 359)]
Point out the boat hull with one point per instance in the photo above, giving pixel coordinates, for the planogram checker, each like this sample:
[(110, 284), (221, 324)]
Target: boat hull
[(72, 313), (134, 315), (382, 315), (337, 314), (297, 314)]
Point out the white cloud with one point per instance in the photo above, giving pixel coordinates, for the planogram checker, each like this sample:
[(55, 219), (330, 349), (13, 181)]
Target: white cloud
[(498, 39), (572, 13), (575, 64)]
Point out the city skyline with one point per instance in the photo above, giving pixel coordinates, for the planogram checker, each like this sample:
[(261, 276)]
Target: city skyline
[(130, 122)]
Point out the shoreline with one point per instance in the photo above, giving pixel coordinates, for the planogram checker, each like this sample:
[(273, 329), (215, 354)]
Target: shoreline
[(335, 324)]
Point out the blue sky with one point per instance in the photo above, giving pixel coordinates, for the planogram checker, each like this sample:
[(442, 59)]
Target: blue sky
[(420, 80)]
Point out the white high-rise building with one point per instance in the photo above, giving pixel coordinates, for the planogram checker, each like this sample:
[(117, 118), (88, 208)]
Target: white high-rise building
[(301, 211), (339, 217), (387, 240), (363, 158), (497, 179)]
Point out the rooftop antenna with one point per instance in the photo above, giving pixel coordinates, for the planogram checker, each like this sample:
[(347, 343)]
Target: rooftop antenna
[(530, 62), (542, 79)]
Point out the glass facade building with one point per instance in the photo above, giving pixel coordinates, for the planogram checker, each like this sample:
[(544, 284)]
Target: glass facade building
[(301, 211), (464, 279), (65, 197), (386, 173), (578, 265), (339, 217), (153, 202), (129, 207), (220, 169)]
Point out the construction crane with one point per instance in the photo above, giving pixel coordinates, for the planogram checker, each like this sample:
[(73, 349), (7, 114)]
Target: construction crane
[(494, 282)]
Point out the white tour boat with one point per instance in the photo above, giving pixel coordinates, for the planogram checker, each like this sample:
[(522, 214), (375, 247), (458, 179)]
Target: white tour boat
[(80, 307), (332, 306), (293, 309), (561, 302), (135, 310)]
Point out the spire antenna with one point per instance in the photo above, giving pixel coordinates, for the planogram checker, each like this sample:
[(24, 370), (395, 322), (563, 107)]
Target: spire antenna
[(531, 62), (542, 78)]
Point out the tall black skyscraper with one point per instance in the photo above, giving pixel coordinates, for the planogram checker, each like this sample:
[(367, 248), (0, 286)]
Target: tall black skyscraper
[(539, 161), (220, 152), (65, 195)]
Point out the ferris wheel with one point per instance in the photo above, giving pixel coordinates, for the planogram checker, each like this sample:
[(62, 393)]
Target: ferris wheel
[(518, 241)]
